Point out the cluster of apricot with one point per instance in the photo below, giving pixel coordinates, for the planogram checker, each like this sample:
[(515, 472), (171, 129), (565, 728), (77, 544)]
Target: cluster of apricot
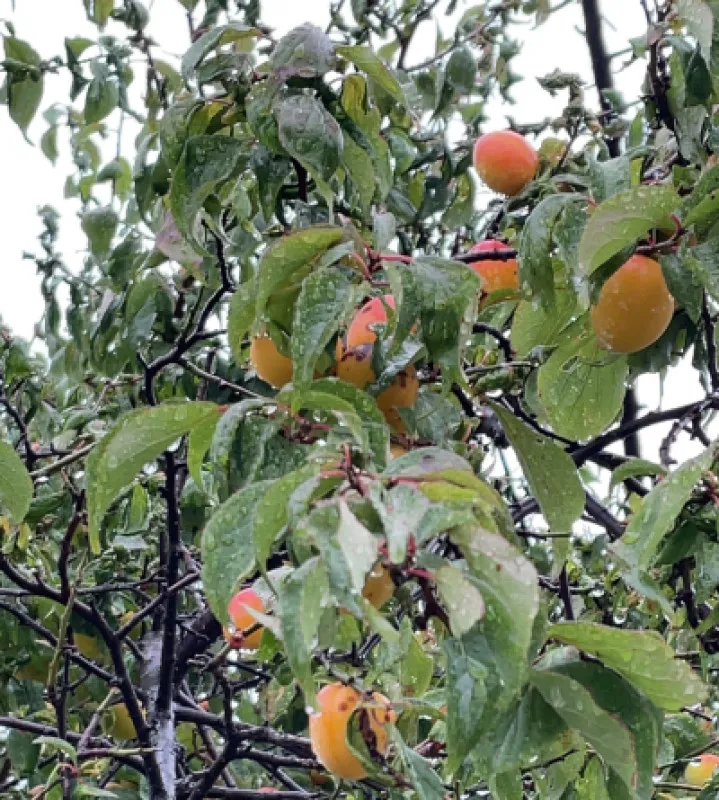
[(634, 307), (354, 362), (337, 702)]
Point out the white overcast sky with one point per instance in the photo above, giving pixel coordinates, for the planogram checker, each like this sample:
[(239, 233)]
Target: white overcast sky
[(30, 181)]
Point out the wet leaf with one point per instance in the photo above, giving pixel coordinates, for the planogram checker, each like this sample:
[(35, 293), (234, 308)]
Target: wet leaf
[(642, 657), (138, 438), (16, 488), (622, 220)]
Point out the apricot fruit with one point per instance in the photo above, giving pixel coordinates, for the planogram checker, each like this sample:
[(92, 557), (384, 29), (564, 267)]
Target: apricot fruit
[(505, 161), (373, 312), (495, 274), (328, 729), (402, 393), (634, 307), (379, 586), (700, 770), (354, 362), (242, 619), (270, 365)]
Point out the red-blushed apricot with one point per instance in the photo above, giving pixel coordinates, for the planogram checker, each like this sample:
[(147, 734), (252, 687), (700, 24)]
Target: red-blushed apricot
[(495, 274), (270, 365), (378, 586), (242, 619), (505, 161), (328, 729), (402, 393), (700, 770), (634, 307), (373, 312)]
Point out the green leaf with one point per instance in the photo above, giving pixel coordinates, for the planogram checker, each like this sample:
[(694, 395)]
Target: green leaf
[(461, 70), (685, 282), (291, 258), (635, 467), (16, 488), (48, 144), (22, 752), (207, 162), (366, 61), (358, 546), (466, 698), (171, 243), (138, 437), (592, 785), (273, 513), (241, 316), (100, 12), (698, 80), (225, 437), (302, 598), (309, 133), (425, 781), (343, 410), (642, 657), (401, 512), (25, 81), (581, 388), (305, 52), (199, 443), (576, 706), (101, 99), (535, 326), (505, 578), (228, 550), (461, 599), (99, 225), (700, 22), (55, 744), (536, 274), (327, 300), (361, 170), (224, 34), (446, 291), (372, 418), (622, 219), (624, 702), (659, 510), (549, 470)]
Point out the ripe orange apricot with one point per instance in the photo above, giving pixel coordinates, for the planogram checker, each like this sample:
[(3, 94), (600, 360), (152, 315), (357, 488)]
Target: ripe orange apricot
[(402, 393), (270, 365), (242, 619), (505, 161), (379, 586), (495, 274), (328, 729), (700, 770), (634, 307)]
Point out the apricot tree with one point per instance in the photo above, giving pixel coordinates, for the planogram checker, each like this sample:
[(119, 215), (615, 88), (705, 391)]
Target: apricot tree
[(322, 476)]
